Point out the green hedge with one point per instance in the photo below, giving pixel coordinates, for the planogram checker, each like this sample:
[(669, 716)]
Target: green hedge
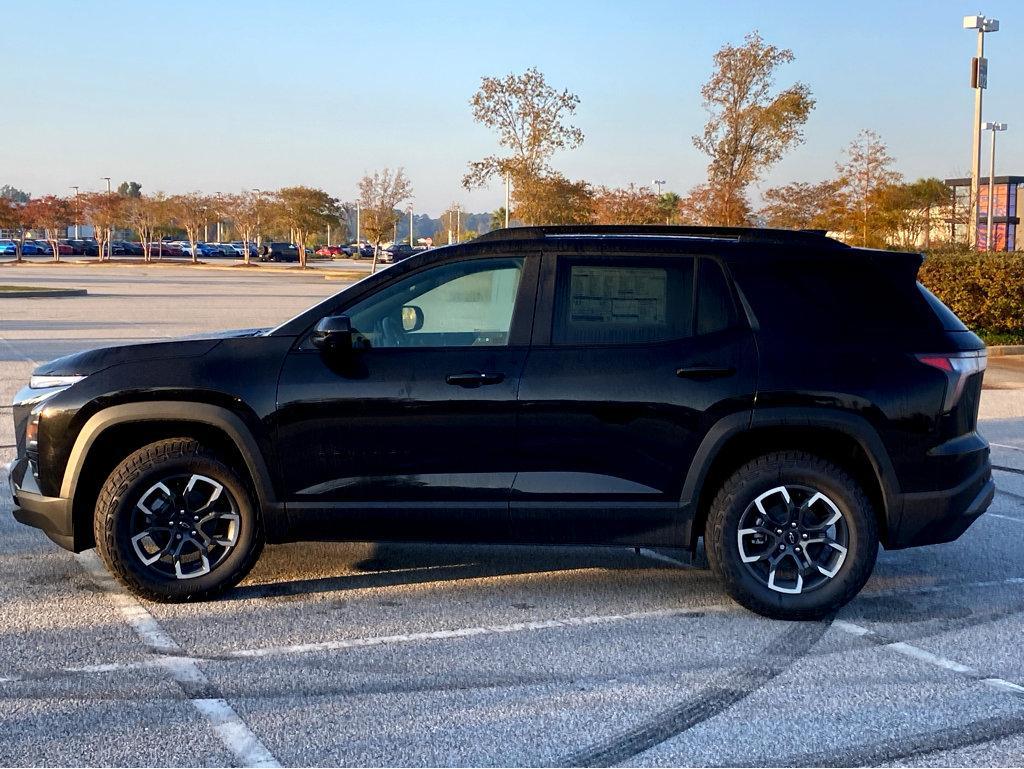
[(985, 290)]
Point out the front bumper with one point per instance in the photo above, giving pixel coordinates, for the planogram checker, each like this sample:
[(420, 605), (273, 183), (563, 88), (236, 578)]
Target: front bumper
[(50, 514), (932, 518)]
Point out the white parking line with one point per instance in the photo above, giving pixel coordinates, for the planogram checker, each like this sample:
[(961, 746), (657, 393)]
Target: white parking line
[(654, 555), (227, 724), (923, 655), (1005, 446), (1004, 517)]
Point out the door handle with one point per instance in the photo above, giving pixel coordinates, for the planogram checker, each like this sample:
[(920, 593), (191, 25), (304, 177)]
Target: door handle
[(474, 379), (705, 372)]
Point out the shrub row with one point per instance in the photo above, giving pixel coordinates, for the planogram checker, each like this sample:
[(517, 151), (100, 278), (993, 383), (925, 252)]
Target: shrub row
[(985, 290)]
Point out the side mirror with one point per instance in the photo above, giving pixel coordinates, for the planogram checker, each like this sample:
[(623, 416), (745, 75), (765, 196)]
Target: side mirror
[(333, 334), (412, 318)]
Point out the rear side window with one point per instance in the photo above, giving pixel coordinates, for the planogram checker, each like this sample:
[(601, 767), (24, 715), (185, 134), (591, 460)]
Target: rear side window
[(716, 310), (634, 301), (835, 296)]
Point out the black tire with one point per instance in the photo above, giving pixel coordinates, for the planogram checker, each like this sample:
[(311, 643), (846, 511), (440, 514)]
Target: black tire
[(117, 512), (799, 471)]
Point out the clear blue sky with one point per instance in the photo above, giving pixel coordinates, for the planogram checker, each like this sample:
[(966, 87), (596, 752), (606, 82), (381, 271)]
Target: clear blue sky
[(226, 95)]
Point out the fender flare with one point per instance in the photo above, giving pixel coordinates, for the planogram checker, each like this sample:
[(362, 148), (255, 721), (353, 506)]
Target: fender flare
[(851, 425), (176, 411)]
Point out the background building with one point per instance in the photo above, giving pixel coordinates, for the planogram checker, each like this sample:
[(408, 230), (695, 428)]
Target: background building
[(1004, 212)]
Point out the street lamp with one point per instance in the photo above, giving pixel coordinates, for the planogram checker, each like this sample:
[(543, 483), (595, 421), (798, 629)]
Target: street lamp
[(412, 243), (259, 206), (658, 183), (979, 82), (994, 128)]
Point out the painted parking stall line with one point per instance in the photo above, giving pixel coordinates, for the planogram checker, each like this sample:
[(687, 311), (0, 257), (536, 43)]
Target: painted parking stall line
[(229, 727), (923, 655)]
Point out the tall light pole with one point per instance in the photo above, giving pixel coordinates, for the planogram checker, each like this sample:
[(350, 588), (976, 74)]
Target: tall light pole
[(994, 128), (458, 223), (412, 243), (259, 207), (508, 195), (359, 213), (979, 82), (110, 246), (659, 183), (75, 188)]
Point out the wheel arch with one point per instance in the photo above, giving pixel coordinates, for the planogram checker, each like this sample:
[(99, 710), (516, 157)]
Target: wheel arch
[(844, 438), (113, 433)]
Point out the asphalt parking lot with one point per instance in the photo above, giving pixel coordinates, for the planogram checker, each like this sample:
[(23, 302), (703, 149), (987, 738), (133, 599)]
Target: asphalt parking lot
[(363, 654)]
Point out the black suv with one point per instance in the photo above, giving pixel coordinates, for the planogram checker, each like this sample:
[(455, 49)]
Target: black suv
[(791, 400)]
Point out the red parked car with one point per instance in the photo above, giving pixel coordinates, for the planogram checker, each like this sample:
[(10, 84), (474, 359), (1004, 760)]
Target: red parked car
[(165, 249), (330, 251)]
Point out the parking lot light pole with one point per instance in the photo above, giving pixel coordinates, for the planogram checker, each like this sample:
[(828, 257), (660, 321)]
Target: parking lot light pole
[(110, 246), (659, 183), (75, 188), (411, 243), (994, 128), (979, 82)]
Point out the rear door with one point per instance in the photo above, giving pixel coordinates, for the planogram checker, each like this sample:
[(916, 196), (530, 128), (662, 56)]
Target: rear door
[(634, 358)]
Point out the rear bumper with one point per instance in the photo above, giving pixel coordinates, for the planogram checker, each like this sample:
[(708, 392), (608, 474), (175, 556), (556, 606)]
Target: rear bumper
[(932, 518), (52, 515)]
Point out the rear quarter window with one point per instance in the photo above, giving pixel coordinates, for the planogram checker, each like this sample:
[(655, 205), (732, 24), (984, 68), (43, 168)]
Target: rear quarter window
[(831, 296)]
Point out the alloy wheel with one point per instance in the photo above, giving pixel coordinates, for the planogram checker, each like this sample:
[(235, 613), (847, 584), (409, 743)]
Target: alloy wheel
[(184, 526), (793, 539)]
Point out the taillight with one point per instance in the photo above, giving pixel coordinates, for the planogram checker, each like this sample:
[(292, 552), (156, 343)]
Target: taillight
[(958, 368)]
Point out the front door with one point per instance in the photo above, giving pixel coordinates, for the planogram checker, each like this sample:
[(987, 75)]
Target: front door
[(411, 435), (630, 368)]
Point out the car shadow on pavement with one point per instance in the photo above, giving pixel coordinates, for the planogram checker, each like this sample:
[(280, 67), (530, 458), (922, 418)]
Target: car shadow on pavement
[(391, 565)]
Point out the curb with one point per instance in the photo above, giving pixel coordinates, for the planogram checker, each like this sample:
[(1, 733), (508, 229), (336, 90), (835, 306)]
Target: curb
[(54, 292), (1003, 350)]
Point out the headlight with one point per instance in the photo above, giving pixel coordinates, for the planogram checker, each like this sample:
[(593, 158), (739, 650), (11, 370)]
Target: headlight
[(44, 382)]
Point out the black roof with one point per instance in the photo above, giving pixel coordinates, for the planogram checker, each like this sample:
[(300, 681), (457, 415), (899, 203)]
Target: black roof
[(734, 234)]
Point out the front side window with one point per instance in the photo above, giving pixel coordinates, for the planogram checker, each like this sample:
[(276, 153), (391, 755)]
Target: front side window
[(462, 304), (620, 302)]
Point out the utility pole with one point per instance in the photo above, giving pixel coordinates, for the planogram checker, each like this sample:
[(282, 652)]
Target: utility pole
[(359, 211), (979, 82), (458, 223), (994, 128), (259, 207), (75, 188), (412, 243)]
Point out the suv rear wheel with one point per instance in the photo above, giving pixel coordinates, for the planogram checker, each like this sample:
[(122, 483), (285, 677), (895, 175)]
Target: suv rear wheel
[(175, 523), (792, 536)]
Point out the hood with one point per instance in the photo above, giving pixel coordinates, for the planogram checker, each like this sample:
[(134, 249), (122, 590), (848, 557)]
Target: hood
[(90, 361)]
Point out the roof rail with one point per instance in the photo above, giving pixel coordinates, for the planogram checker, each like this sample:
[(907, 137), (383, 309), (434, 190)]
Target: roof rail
[(750, 234)]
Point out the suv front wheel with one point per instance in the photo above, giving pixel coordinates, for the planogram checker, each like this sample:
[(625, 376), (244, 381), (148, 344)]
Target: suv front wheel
[(792, 536), (175, 523)]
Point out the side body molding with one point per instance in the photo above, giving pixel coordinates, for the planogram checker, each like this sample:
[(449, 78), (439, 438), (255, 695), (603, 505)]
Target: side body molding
[(177, 411)]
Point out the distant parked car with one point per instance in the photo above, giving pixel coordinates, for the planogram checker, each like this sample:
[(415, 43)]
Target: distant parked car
[(64, 249), (8, 247), (396, 252), (330, 251), (128, 248), (165, 248), (279, 252), (115, 247)]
